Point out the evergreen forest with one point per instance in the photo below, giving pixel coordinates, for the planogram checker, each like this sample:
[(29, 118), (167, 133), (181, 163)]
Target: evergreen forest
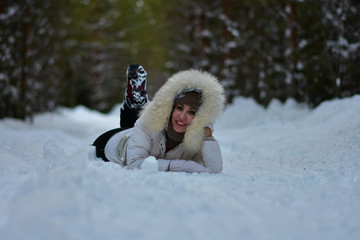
[(75, 52)]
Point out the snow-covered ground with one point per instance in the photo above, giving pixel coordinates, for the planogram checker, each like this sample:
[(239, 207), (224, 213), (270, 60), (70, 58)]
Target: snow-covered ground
[(289, 173)]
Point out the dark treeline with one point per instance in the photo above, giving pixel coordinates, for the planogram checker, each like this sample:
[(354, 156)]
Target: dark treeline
[(75, 52)]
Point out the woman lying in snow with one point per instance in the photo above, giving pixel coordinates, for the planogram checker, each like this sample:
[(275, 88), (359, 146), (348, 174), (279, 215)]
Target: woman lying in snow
[(175, 127)]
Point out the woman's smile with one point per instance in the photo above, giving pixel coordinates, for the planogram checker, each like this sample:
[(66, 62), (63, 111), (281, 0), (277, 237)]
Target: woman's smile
[(180, 123)]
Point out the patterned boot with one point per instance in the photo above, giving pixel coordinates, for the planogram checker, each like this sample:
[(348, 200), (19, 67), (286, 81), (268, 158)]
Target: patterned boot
[(135, 95)]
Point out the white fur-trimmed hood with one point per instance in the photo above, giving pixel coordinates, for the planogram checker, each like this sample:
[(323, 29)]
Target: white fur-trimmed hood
[(157, 113)]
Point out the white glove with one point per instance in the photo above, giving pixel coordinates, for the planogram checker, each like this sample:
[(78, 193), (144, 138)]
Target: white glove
[(187, 166)]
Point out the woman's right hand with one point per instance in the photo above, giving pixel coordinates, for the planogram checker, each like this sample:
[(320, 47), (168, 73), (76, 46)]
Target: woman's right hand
[(208, 132)]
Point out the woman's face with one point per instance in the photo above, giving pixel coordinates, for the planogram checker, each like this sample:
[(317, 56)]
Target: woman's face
[(182, 117)]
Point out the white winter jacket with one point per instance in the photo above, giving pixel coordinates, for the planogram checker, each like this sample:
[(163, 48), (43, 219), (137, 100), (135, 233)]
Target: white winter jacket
[(147, 138)]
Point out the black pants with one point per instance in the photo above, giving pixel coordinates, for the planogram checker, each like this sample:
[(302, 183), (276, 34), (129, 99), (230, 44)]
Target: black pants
[(128, 116), (127, 120)]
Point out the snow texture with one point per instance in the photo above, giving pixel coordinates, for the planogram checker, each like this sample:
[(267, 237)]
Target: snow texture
[(289, 173)]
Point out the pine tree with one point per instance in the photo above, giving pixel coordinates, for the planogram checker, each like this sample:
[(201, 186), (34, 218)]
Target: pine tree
[(29, 76)]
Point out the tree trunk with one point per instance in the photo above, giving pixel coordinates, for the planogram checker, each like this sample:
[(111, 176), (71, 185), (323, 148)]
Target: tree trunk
[(22, 111), (226, 54), (292, 44)]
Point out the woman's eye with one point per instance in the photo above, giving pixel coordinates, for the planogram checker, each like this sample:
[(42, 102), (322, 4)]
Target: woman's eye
[(191, 112), (179, 107)]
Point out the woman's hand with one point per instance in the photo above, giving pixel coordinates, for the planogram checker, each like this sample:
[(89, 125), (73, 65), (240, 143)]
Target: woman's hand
[(208, 132)]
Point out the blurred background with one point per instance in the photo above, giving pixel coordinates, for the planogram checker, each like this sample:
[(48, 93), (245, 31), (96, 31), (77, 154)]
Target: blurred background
[(75, 52)]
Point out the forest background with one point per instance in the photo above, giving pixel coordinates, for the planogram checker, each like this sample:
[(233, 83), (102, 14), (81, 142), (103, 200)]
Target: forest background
[(75, 52)]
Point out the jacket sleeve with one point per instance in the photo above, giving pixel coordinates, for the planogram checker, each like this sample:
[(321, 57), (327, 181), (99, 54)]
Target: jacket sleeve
[(211, 155), (139, 146)]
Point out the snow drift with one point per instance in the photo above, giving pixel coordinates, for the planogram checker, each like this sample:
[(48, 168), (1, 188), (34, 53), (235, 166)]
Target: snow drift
[(289, 173)]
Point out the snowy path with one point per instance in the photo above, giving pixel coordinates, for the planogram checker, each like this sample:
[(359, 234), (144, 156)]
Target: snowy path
[(289, 173)]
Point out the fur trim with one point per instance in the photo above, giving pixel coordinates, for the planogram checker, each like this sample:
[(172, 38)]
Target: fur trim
[(157, 113)]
